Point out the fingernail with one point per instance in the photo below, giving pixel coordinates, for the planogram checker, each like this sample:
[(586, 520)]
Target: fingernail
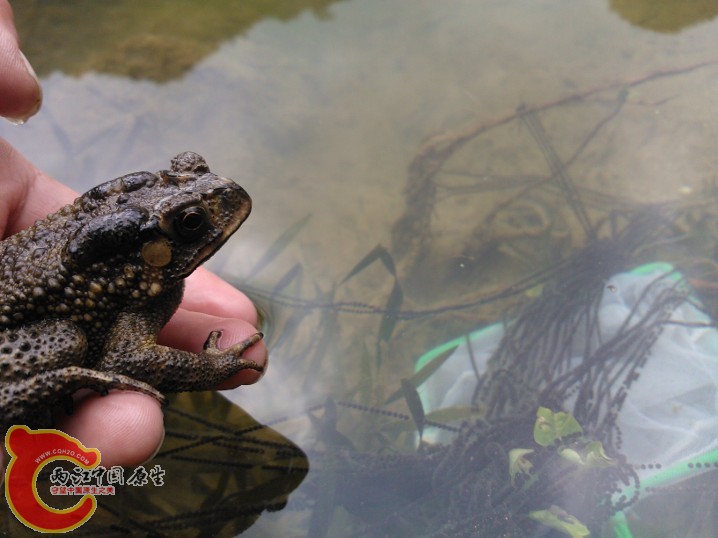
[(38, 103)]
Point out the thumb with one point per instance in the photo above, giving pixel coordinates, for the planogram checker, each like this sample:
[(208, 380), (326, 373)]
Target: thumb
[(20, 92)]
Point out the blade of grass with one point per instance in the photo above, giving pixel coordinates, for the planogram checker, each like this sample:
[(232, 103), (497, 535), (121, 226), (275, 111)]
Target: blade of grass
[(422, 375), (415, 406), (279, 245), (377, 253)]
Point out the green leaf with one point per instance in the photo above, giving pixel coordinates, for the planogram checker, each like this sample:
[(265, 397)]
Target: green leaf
[(519, 463), (557, 518), (551, 427), (571, 455), (596, 456), (591, 455)]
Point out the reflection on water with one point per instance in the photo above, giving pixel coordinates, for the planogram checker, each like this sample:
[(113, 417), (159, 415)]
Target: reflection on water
[(667, 15), (418, 174), (221, 471), (158, 41)]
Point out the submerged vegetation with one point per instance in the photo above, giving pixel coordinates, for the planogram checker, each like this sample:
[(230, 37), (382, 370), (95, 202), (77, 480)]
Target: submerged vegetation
[(538, 262), (485, 239)]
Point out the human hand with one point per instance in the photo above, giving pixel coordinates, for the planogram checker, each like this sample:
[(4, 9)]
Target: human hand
[(126, 427)]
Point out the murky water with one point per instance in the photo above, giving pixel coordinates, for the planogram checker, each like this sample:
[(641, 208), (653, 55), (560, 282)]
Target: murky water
[(335, 119)]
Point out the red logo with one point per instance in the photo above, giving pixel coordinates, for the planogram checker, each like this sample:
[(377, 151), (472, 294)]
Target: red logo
[(30, 450)]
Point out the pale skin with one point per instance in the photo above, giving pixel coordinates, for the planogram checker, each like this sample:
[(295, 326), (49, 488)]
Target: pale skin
[(126, 427)]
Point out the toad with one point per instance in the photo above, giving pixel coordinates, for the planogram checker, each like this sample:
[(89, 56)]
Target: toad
[(84, 292)]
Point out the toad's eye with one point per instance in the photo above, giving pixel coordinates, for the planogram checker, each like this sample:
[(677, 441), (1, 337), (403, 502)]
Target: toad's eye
[(191, 222)]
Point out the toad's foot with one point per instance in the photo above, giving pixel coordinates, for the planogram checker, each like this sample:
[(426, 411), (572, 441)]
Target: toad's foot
[(205, 370), (233, 354)]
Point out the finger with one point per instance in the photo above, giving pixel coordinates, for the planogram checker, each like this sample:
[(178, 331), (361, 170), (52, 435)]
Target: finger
[(27, 194), (126, 427), (206, 292), (20, 92), (189, 330)]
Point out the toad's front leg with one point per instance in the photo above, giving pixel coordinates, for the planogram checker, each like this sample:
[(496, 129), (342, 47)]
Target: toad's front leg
[(132, 350)]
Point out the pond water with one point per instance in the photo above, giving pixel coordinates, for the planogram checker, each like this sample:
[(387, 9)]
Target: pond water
[(459, 149)]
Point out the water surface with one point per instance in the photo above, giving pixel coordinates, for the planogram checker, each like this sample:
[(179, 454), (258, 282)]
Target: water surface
[(320, 112)]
